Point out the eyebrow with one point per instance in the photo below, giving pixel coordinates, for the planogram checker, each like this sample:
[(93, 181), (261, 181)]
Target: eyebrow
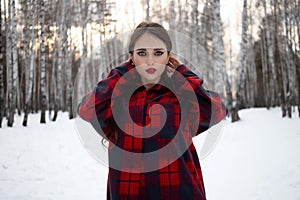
[(155, 49)]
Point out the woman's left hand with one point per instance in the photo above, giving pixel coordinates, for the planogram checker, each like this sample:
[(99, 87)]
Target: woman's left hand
[(172, 65)]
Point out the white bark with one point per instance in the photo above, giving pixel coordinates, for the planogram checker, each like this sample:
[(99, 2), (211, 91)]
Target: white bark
[(83, 59), (60, 58), (69, 86), (178, 44), (8, 55), (195, 32), (206, 39), (30, 57), (1, 71), (14, 64), (242, 65), (243, 51), (218, 50), (205, 19), (270, 46), (265, 69), (158, 11), (30, 53), (147, 10), (298, 28), (43, 62), (289, 62)]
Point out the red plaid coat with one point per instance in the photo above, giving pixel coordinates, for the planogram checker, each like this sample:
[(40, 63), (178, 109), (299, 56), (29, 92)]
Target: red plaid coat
[(180, 176)]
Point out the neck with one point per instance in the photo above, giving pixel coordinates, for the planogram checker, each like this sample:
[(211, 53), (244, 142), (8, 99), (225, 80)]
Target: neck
[(149, 85)]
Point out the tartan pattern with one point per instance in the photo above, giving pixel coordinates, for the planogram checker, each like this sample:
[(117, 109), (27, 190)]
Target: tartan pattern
[(179, 180)]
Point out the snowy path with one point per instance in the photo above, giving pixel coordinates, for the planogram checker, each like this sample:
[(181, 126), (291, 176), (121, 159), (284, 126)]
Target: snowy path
[(256, 158)]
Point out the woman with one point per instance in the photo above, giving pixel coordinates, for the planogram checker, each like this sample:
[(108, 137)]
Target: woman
[(151, 77)]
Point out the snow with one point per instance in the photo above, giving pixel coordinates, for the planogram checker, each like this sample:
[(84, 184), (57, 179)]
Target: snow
[(255, 158)]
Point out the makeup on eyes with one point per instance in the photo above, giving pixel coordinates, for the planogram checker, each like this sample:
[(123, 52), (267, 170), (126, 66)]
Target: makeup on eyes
[(145, 51)]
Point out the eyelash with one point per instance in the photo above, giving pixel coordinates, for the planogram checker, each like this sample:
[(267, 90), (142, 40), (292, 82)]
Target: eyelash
[(157, 53)]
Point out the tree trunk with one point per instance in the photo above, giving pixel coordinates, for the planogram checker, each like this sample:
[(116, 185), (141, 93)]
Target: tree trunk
[(147, 10), (8, 64), (43, 96), (251, 60), (278, 61), (195, 31), (30, 60), (69, 87), (218, 50), (243, 63), (290, 63), (297, 19), (270, 46), (14, 65), (53, 88), (206, 40), (298, 80), (1, 71), (60, 59), (265, 70)]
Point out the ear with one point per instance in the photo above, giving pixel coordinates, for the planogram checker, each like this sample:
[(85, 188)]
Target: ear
[(169, 56), (131, 57)]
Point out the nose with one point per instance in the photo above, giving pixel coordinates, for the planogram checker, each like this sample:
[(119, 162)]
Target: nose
[(150, 60)]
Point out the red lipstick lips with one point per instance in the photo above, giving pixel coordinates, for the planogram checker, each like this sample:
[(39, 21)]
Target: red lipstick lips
[(151, 71)]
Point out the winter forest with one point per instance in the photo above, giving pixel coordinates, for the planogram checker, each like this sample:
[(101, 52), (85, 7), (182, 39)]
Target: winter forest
[(45, 44)]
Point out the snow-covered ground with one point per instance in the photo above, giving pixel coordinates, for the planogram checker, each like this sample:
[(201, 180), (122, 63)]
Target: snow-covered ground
[(256, 158)]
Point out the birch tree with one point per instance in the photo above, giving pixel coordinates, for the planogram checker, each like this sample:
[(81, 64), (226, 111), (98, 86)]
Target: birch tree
[(297, 5), (278, 57), (14, 64), (172, 15), (1, 71), (265, 74), (69, 85), (218, 51), (157, 11), (178, 43), (8, 59), (242, 65), (195, 31), (42, 40), (206, 37), (270, 49), (8, 56), (147, 10), (60, 58), (42, 62), (229, 79), (289, 61), (30, 57), (251, 90), (206, 23), (83, 21)]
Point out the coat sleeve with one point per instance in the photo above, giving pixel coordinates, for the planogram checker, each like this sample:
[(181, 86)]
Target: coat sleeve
[(95, 107), (211, 108)]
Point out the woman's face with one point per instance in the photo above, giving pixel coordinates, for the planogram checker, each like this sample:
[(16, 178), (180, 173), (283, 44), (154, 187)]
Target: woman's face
[(150, 57)]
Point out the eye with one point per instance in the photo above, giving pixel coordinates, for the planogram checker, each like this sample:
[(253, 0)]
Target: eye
[(141, 53), (158, 53)]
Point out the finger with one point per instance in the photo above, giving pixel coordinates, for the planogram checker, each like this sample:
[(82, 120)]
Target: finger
[(174, 60), (174, 63), (171, 65)]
